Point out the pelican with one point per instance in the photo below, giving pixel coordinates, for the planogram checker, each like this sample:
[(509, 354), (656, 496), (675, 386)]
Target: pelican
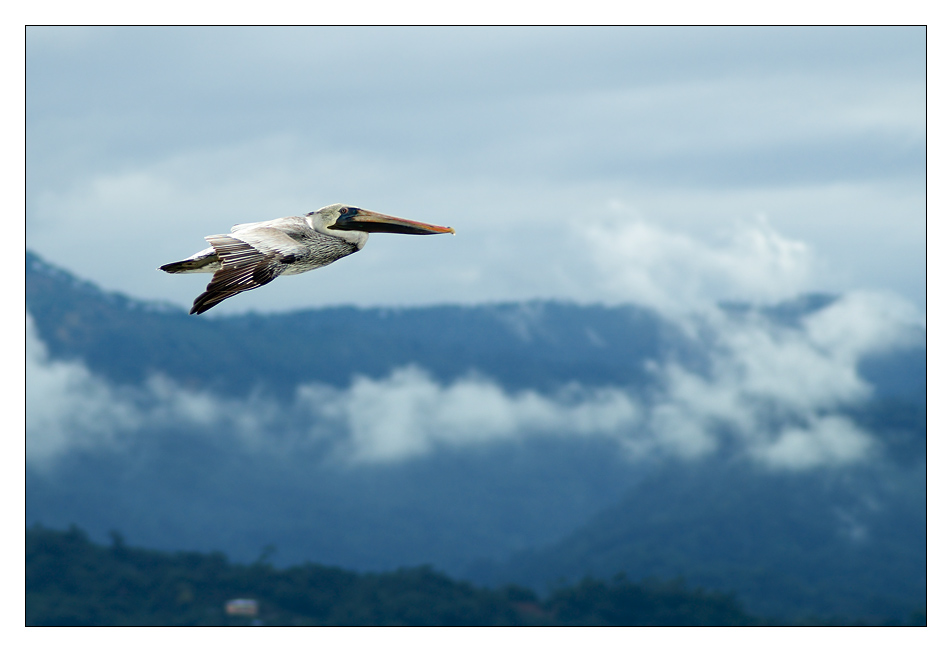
[(256, 253)]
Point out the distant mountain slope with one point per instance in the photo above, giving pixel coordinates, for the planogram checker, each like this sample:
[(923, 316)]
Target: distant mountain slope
[(848, 542), (176, 490), (542, 344)]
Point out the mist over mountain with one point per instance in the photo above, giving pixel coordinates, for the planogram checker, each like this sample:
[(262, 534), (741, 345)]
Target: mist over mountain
[(776, 451)]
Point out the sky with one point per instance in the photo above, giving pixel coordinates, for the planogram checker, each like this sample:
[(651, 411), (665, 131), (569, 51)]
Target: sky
[(671, 167)]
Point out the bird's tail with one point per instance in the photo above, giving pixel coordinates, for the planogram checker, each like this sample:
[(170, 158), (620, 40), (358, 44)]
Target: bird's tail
[(204, 261)]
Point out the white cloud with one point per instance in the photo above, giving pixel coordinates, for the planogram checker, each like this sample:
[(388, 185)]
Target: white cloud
[(676, 272), (68, 407), (863, 322), (825, 441), (669, 431), (410, 414), (763, 376)]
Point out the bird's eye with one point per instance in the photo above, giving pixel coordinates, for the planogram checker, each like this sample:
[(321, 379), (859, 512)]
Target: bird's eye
[(344, 210)]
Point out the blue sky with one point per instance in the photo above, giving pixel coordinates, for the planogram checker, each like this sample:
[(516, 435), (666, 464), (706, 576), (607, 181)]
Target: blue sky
[(666, 166)]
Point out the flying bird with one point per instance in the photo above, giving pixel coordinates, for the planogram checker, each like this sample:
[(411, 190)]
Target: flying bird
[(256, 253)]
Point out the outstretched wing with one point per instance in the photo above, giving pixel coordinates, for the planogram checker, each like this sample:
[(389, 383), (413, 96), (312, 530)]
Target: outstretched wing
[(244, 266)]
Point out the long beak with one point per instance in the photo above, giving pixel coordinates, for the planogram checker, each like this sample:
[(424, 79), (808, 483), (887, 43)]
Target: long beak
[(360, 220)]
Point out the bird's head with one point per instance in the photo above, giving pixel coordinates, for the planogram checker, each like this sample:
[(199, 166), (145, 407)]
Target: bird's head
[(339, 219)]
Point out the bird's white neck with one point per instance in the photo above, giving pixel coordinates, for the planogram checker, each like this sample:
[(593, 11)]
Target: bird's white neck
[(358, 238)]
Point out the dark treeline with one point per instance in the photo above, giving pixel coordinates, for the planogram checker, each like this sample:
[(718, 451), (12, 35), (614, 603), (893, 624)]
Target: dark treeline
[(71, 580)]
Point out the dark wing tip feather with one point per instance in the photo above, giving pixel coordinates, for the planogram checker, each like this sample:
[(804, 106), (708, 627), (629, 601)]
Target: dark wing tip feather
[(206, 301), (243, 268)]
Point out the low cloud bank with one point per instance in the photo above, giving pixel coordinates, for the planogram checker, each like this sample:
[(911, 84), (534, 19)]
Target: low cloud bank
[(675, 272), (70, 408), (410, 414), (773, 389), (773, 392)]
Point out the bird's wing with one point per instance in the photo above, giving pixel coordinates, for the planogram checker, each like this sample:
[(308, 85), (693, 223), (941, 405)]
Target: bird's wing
[(248, 263), (288, 225)]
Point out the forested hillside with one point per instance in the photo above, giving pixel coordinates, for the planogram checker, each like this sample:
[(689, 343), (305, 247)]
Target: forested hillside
[(71, 581)]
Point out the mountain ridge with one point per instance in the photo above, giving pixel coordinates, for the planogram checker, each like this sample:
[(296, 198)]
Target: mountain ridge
[(331, 345)]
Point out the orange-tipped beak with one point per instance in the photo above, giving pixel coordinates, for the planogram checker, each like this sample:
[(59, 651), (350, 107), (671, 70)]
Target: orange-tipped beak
[(358, 219)]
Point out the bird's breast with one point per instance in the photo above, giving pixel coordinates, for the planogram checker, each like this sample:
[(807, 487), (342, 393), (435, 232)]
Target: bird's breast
[(316, 253)]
